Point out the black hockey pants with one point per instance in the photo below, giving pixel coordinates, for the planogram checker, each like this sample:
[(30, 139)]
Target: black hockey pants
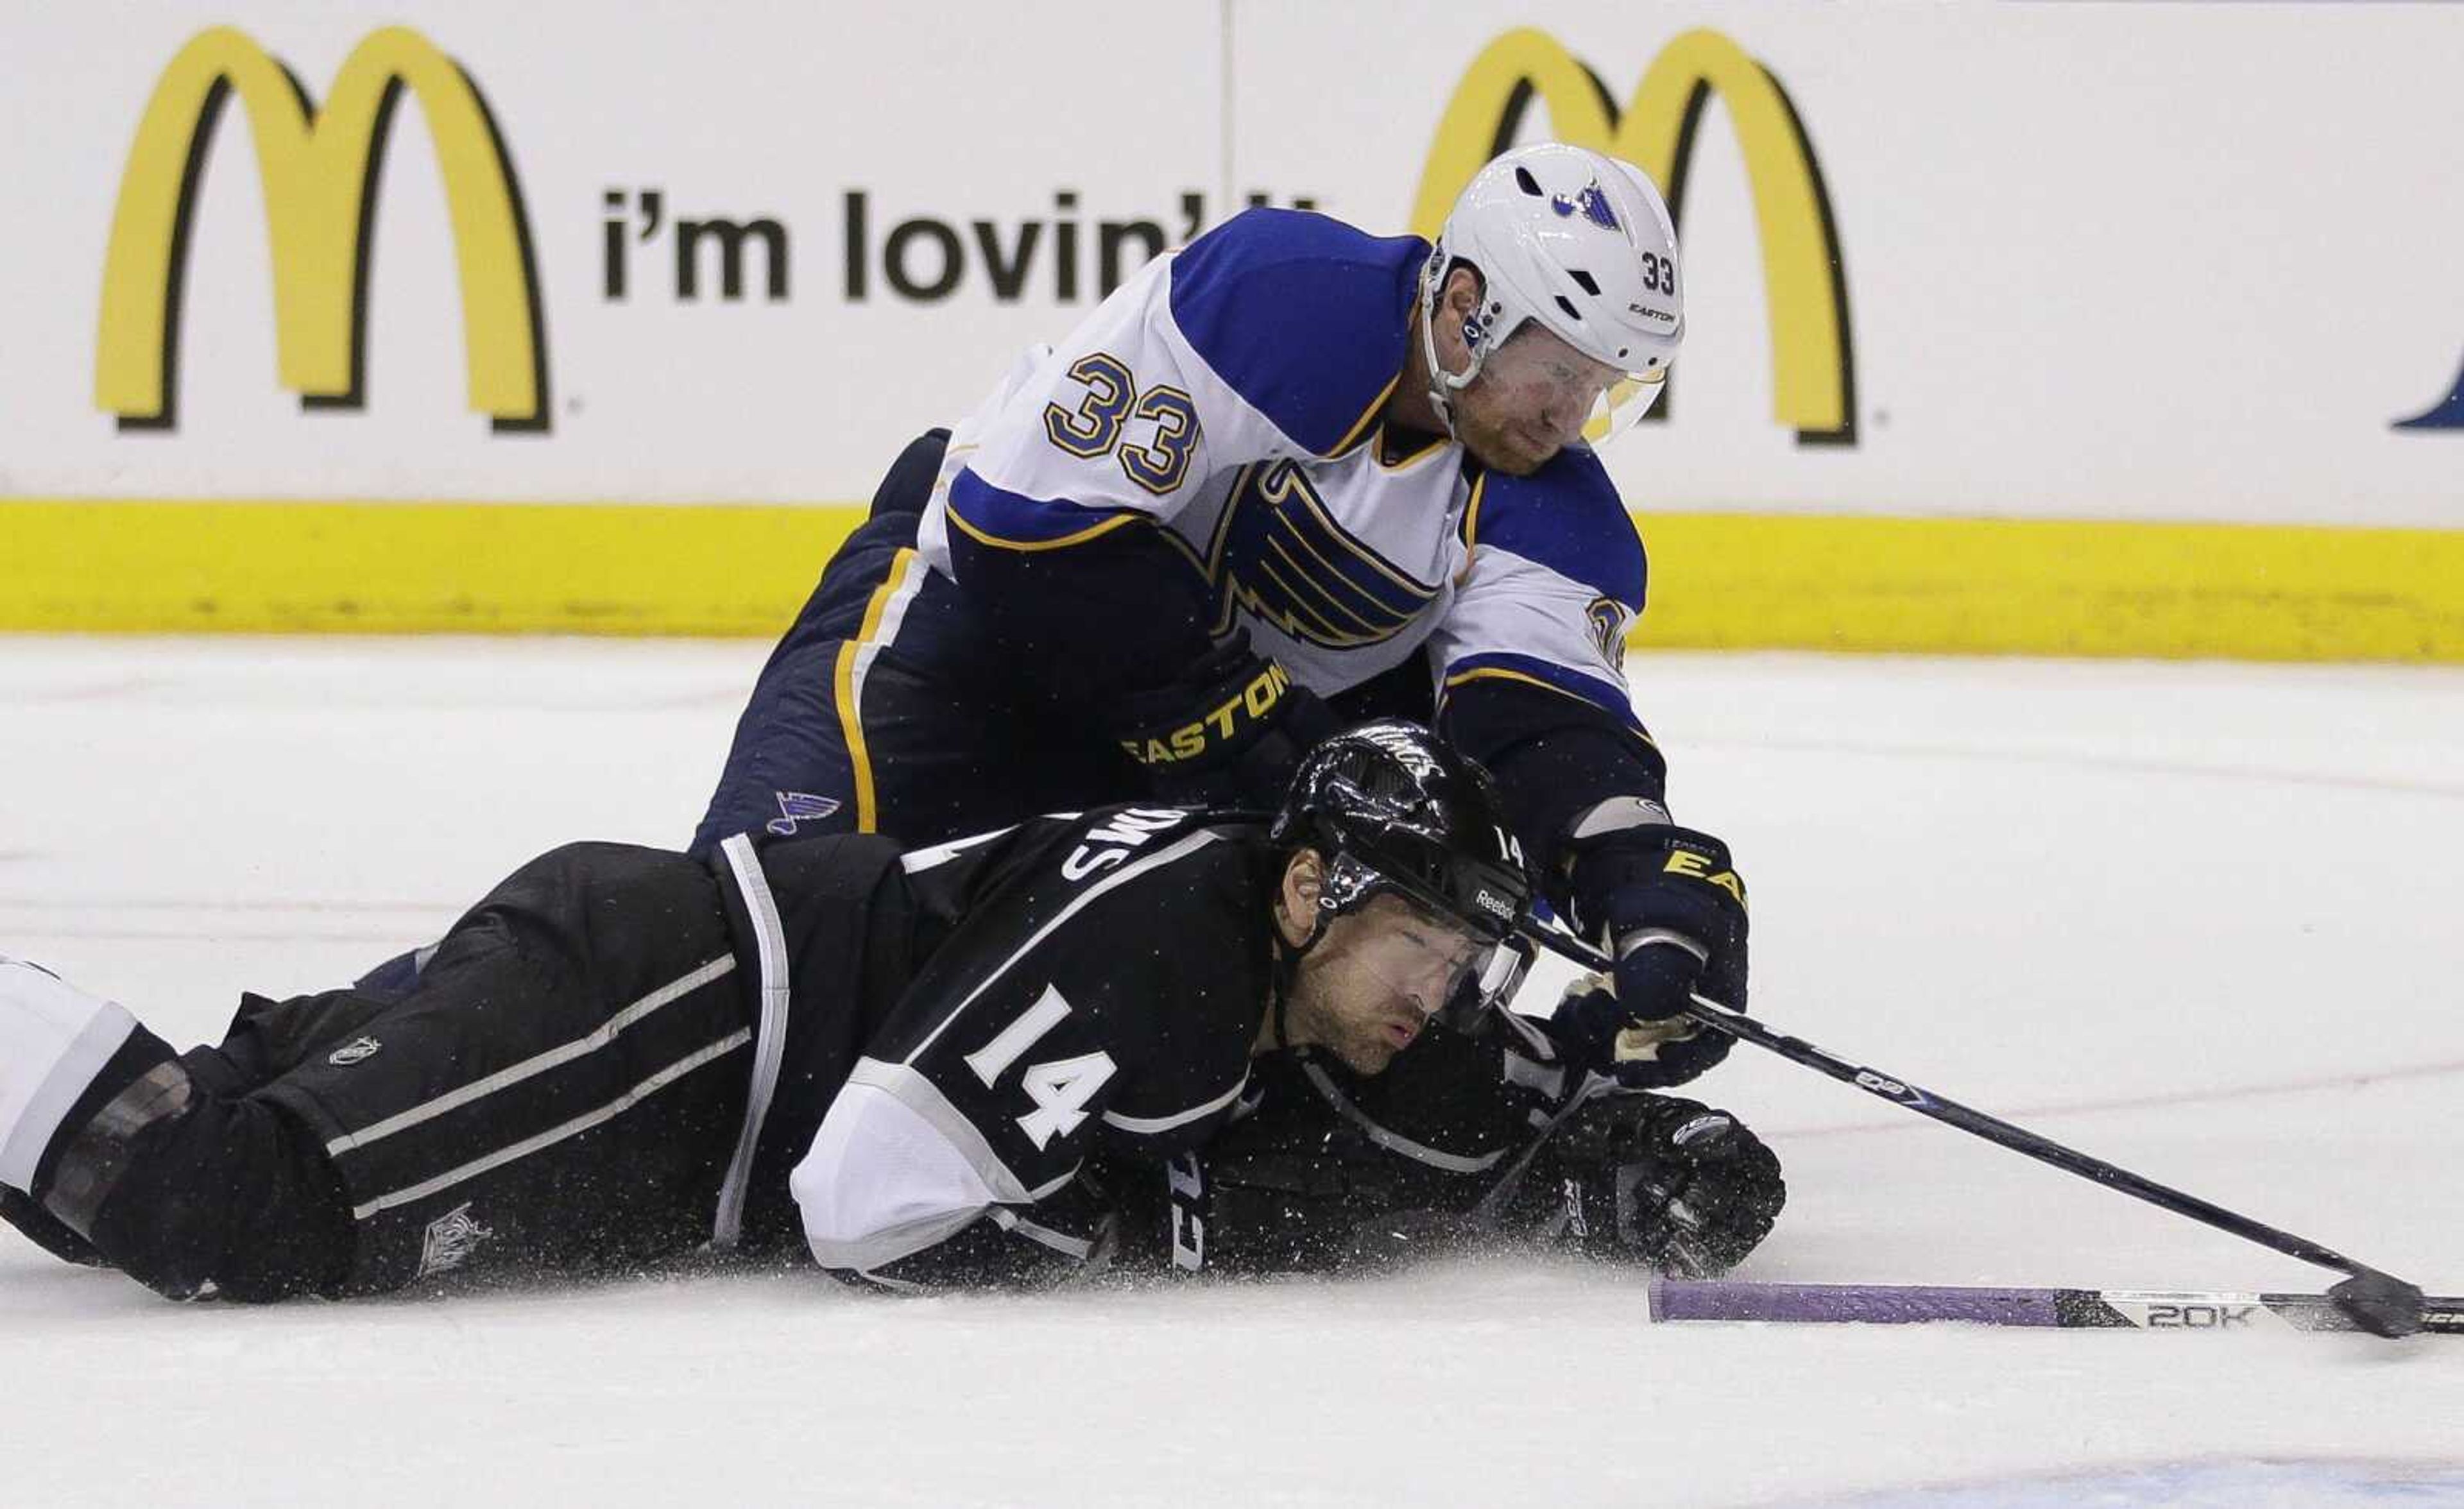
[(563, 1090)]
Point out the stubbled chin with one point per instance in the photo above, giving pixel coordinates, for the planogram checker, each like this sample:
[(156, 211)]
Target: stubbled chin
[(1513, 463), (1367, 1056)]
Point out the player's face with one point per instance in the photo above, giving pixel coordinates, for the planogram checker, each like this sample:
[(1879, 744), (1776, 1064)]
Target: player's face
[(1531, 400), (1376, 976)]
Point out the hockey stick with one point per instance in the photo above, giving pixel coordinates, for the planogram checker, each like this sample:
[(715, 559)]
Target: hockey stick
[(2376, 1302), (2096, 1309)]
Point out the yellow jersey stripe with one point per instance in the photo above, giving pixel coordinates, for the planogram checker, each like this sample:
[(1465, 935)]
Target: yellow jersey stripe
[(1371, 558), (1472, 526), (1368, 417), (1288, 615), (1079, 537), (845, 685), (1325, 594), (1498, 673)]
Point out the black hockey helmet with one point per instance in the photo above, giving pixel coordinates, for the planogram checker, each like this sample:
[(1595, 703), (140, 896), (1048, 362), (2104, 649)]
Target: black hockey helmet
[(1392, 808)]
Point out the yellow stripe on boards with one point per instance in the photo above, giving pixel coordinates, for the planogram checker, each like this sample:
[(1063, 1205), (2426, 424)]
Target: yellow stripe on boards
[(412, 568), (2053, 587), (1718, 581)]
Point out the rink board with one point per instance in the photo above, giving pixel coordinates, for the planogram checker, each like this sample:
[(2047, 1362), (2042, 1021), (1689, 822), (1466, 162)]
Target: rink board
[(2025, 328), (1719, 580)]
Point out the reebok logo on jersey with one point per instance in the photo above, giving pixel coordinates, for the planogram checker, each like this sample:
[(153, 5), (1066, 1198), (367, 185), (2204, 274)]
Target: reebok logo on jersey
[(358, 1050)]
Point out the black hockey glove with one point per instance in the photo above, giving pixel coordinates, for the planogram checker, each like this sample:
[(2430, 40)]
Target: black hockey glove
[(1337, 1173), (1260, 1212), (1673, 910), (1230, 731), (1592, 1029), (1667, 1182)]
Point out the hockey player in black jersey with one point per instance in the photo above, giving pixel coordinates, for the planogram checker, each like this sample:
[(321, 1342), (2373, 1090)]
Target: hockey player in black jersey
[(944, 1065)]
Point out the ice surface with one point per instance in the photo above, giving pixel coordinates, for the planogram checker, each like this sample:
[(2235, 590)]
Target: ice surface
[(2197, 919)]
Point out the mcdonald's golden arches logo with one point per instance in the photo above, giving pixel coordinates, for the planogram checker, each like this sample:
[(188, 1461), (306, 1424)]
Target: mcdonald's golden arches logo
[(1813, 362), (321, 169)]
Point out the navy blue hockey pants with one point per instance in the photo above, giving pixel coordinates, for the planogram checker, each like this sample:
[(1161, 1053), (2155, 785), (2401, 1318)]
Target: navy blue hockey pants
[(848, 729)]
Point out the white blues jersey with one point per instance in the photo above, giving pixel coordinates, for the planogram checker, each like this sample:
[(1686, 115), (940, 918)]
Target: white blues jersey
[(1230, 393)]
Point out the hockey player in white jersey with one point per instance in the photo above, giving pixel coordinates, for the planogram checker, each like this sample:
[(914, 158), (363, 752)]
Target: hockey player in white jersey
[(1291, 475)]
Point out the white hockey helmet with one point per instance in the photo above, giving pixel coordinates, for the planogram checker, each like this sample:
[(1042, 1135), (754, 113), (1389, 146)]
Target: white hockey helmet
[(1580, 242)]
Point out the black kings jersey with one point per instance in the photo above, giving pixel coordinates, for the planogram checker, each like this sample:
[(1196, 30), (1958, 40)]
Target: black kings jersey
[(1101, 981)]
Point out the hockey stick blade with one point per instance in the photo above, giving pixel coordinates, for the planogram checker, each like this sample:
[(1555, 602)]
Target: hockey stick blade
[(2066, 1309), (2381, 1304)]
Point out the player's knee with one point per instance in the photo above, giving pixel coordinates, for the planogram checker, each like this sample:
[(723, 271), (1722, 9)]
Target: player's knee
[(118, 1149), (908, 487), (180, 1188)]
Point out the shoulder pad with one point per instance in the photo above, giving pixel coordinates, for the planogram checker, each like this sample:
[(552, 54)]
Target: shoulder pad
[(1566, 516), (1304, 316)]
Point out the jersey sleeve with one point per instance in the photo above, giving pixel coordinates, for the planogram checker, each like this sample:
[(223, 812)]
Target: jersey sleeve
[(1531, 658), (1301, 320), (1554, 579), (1112, 994)]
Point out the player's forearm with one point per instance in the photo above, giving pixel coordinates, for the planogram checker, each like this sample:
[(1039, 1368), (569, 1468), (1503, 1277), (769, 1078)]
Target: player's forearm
[(887, 1199), (881, 1183), (1554, 757), (1120, 613), (1059, 1239)]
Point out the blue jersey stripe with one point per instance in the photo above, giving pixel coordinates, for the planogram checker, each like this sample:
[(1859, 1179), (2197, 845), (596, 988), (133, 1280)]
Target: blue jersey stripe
[(1305, 318), (1568, 518), (1506, 665), (999, 516)]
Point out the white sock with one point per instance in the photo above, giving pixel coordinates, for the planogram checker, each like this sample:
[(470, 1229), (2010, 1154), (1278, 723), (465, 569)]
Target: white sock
[(53, 1040)]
